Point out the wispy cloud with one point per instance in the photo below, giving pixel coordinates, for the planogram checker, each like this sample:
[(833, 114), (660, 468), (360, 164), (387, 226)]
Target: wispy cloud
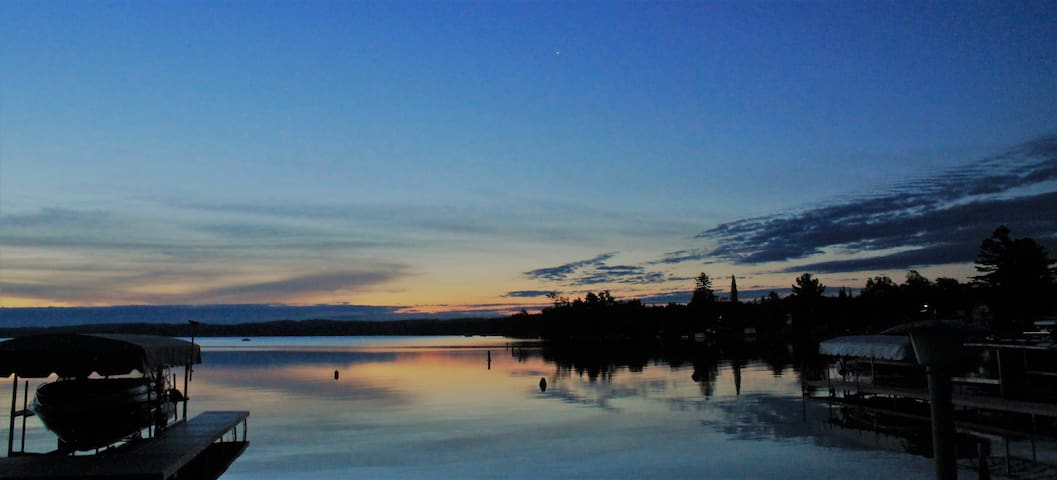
[(291, 288), (125, 287), (527, 293), (935, 220), (564, 271), (682, 256), (595, 271)]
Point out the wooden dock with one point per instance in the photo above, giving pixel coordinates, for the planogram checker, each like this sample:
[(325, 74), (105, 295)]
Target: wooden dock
[(959, 400), (201, 448)]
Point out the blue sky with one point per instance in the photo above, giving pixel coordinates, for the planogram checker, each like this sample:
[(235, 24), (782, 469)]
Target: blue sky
[(444, 156)]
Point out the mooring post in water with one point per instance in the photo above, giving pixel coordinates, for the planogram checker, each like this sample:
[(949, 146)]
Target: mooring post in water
[(939, 349)]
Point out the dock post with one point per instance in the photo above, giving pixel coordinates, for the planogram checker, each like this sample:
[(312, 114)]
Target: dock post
[(938, 349), (11, 426), (1034, 457), (189, 367), (942, 412), (983, 466), (187, 394), (25, 407)]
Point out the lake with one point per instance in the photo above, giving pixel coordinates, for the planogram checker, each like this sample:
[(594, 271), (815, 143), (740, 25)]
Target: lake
[(462, 407)]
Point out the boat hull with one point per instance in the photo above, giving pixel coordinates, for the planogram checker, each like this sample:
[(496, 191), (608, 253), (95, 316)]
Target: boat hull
[(92, 413)]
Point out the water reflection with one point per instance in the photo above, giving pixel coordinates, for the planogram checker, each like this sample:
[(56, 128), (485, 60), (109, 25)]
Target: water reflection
[(493, 408)]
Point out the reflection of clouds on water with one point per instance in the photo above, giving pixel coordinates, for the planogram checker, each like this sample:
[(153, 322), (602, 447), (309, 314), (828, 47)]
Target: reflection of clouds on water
[(759, 417), (578, 398), (530, 372), (297, 374), (590, 392), (265, 358), (293, 386)]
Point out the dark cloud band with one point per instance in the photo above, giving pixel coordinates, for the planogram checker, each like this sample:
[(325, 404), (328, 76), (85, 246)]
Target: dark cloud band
[(932, 221)]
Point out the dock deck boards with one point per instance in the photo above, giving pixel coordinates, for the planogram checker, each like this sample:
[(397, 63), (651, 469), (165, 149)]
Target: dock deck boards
[(961, 400), (158, 458)]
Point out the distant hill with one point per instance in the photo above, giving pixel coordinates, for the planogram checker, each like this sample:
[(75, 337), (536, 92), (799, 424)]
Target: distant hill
[(212, 314), (517, 325)]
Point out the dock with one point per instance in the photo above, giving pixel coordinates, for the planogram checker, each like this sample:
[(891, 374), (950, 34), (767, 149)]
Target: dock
[(959, 400), (200, 448)]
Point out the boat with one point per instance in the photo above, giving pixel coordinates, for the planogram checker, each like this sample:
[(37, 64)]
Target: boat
[(110, 387), (89, 413), (115, 394)]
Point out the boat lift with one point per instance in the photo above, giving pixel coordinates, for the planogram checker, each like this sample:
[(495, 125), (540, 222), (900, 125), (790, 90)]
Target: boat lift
[(173, 447)]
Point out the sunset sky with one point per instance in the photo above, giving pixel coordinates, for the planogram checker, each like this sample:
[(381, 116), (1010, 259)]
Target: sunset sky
[(439, 156)]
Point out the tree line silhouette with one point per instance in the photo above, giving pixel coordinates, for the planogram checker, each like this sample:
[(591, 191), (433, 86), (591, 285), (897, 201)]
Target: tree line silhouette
[(1015, 286)]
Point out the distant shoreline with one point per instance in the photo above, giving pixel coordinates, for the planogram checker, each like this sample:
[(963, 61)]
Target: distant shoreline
[(505, 326)]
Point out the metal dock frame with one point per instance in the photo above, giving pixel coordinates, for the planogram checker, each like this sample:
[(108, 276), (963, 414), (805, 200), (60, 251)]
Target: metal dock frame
[(200, 448)]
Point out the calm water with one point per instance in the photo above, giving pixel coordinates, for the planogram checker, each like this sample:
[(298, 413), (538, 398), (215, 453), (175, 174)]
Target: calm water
[(433, 407)]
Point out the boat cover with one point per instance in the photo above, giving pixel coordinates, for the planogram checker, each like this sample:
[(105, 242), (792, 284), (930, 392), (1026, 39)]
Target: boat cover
[(881, 347), (79, 355)]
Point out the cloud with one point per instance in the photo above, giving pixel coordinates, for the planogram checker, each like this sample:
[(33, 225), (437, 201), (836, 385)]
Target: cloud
[(525, 218), (935, 220), (300, 286), (595, 271), (682, 256), (220, 314), (563, 272), (53, 217), (131, 286), (527, 293)]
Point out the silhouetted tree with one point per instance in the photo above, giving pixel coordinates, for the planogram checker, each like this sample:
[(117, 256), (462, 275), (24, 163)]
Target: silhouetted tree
[(879, 304), (703, 294), (1019, 274), (917, 292), (952, 298), (879, 287), (557, 299), (916, 281), (808, 287), (591, 299), (702, 305)]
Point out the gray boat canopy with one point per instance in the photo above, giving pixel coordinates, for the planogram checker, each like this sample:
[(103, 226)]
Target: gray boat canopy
[(880, 347), (80, 355)]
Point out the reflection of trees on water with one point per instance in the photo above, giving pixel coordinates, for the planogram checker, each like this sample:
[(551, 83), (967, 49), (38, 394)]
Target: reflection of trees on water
[(599, 364), (601, 361)]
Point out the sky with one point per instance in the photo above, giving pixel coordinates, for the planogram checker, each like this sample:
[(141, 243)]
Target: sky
[(472, 156)]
